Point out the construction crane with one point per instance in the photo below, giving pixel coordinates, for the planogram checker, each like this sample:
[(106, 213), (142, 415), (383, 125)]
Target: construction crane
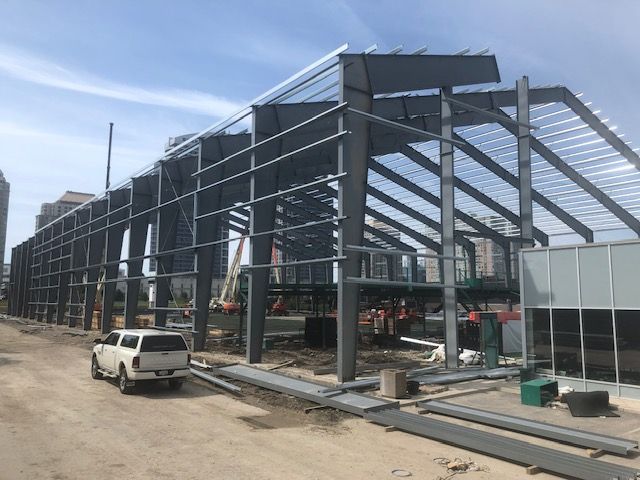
[(226, 302)]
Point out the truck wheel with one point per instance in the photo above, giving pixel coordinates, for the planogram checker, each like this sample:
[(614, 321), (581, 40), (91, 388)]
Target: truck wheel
[(123, 380), (175, 384), (95, 374)]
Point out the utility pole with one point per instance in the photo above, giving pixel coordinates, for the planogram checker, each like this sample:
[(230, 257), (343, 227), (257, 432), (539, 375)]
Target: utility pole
[(109, 154)]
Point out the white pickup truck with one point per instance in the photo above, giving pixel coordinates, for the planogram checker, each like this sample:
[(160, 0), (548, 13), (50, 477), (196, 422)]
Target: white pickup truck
[(141, 355)]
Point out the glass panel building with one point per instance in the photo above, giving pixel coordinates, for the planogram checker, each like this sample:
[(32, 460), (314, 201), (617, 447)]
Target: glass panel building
[(581, 308)]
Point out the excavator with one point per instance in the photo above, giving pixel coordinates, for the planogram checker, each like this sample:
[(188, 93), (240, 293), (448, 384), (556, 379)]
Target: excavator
[(226, 302)]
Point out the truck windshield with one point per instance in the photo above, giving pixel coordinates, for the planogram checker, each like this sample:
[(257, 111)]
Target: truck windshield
[(163, 343)]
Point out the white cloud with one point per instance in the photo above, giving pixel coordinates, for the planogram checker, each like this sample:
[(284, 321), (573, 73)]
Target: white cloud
[(11, 129), (26, 67)]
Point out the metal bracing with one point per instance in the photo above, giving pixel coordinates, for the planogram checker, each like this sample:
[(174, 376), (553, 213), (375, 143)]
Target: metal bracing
[(545, 152), (484, 199), (167, 227), (432, 199), (540, 199)]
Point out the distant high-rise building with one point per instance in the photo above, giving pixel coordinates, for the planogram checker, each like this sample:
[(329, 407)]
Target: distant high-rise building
[(380, 267), (67, 202), (4, 214)]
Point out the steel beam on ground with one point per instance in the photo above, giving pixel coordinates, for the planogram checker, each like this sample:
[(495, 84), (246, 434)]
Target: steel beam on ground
[(550, 459), (559, 433)]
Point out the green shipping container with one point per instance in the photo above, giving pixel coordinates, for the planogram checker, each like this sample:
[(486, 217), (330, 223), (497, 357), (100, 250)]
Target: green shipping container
[(538, 392)]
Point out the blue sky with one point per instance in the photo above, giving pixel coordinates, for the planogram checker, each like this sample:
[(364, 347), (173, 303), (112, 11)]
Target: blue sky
[(160, 68)]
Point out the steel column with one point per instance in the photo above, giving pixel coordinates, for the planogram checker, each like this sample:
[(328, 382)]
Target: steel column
[(261, 219), (167, 230), (64, 265), (12, 280), (79, 250), (524, 159), (141, 201), (447, 220), (113, 250), (353, 155), (206, 229), (95, 256)]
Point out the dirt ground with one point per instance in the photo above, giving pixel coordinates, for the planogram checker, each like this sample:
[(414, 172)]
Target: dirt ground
[(57, 423)]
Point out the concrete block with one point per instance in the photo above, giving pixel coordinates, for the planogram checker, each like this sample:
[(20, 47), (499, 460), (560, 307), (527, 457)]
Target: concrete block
[(393, 383)]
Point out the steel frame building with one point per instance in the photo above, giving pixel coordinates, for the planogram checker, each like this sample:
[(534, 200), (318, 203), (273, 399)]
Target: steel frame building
[(392, 137)]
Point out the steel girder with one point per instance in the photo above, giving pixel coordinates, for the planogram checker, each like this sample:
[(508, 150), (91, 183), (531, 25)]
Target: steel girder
[(473, 192), (554, 160), (498, 170)]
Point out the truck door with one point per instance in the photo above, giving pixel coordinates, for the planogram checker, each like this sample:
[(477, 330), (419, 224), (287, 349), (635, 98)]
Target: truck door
[(109, 351)]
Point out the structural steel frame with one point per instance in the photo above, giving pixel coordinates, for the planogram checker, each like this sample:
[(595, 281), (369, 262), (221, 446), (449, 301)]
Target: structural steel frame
[(357, 154)]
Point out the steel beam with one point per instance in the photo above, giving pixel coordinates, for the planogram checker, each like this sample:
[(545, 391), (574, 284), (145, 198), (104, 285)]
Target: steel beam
[(550, 459), (581, 438), (404, 73), (473, 192), (554, 160), (588, 117), (498, 170)]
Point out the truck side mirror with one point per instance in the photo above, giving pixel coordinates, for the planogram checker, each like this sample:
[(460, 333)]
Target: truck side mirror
[(98, 341)]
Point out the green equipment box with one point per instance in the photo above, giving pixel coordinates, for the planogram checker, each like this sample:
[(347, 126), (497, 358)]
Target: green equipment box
[(538, 392)]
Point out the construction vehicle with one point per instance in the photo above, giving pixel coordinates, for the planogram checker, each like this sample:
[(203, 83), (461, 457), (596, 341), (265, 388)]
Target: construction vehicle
[(226, 302), (279, 308)]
